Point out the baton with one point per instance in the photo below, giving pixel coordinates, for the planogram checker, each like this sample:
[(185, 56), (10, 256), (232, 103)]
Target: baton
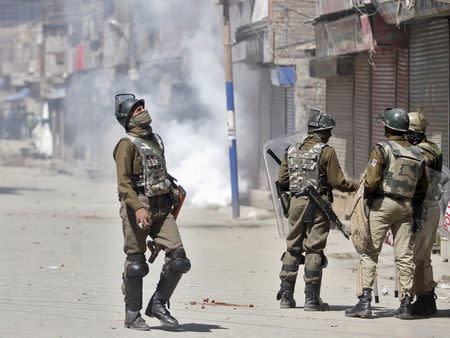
[(396, 281), (375, 289)]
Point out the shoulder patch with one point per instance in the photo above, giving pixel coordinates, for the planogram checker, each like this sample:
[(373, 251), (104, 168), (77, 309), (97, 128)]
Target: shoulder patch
[(373, 163)]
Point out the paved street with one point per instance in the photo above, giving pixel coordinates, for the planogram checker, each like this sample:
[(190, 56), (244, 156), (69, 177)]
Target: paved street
[(61, 260)]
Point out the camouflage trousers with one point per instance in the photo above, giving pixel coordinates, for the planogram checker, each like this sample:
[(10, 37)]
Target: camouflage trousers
[(423, 244), (308, 233), (387, 213)]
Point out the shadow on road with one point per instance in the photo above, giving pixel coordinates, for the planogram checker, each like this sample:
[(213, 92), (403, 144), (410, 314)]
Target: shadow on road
[(332, 308), (442, 314), (15, 190), (382, 313), (190, 327), (339, 307)]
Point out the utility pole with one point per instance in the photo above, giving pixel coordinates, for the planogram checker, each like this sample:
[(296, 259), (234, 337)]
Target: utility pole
[(231, 119)]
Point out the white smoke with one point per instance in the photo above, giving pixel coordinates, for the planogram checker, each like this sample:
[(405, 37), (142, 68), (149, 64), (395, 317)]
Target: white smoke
[(197, 149), (193, 125)]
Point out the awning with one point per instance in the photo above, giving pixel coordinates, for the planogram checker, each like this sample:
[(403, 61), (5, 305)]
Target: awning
[(283, 76), (347, 35), (333, 6), (19, 96), (418, 9)]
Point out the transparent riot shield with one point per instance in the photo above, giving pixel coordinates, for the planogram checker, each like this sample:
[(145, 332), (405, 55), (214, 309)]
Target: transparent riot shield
[(444, 203), (437, 196), (278, 146)]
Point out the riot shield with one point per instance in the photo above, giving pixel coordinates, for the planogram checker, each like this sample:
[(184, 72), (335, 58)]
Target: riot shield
[(444, 202), (438, 195), (278, 146)]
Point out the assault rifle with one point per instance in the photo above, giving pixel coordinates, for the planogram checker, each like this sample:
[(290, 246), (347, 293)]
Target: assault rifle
[(318, 201)]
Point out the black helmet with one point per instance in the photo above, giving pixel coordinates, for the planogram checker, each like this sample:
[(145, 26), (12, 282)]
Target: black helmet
[(395, 118), (125, 104), (320, 121)]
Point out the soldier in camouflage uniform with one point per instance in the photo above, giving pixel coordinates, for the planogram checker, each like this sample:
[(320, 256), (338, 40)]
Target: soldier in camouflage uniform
[(395, 185), (310, 162), (424, 284), (147, 198)]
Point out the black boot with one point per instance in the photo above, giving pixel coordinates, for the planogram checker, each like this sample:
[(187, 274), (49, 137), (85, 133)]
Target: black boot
[(425, 304), (133, 320), (170, 276), (363, 307), (313, 302), (136, 269), (157, 308), (286, 295), (404, 311)]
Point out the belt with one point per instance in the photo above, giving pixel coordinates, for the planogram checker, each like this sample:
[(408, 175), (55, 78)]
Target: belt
[(301, 193), (393, 196), (141, 190)]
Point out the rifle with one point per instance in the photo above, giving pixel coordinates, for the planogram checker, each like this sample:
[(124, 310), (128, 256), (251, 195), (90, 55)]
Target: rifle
[(181, 196), (151, 245), (319, 202)]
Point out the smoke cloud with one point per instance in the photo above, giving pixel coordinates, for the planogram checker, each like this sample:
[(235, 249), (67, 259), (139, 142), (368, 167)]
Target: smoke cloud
[(181, 78)]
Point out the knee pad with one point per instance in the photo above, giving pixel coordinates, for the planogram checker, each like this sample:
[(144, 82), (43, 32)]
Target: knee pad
[(137, 266), (136, 269), (323, 261), (291, 260), (297, 254), (179, 262)]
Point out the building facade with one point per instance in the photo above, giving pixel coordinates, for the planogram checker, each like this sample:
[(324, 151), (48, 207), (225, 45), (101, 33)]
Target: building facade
[(373, 57)]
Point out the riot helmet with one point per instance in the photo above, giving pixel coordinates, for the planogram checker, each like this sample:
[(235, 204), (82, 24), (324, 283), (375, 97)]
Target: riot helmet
[(417, 125), (319, 120), (417, 122), (395, 118), (125, 105)]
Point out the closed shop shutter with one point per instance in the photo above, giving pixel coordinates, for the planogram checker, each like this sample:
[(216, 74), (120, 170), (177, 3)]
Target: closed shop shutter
[(429, 77), (401, 95), (383, 90), (339, 103), (361, 116), (278, 111), (389, 86), (290, 110)]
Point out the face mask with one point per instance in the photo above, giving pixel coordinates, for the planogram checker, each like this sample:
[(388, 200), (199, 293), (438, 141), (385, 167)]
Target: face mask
[(140, 124), (141, 120)]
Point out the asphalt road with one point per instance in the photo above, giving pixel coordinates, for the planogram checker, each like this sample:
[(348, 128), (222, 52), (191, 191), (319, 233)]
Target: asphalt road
[(61, 259)]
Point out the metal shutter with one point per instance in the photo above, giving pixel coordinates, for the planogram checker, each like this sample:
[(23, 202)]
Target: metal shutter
[(339, 103), (361, 116), (290, 110), (429, 77), (389, 86), (383, 90), (278, 111), (401, 94)]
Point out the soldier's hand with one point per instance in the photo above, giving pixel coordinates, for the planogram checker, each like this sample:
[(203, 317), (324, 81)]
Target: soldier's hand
[(143, 218)]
